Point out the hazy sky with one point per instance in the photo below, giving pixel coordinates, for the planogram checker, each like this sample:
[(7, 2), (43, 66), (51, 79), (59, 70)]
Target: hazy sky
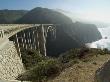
[(98, 10)]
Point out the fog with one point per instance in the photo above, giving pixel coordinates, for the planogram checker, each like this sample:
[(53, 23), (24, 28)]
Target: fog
[(104, 42)]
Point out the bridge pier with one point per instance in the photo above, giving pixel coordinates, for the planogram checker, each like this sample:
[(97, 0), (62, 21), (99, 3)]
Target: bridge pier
[(42, 40), (24, 39)]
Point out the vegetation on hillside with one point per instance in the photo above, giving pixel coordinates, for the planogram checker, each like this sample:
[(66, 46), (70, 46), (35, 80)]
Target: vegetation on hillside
[(31, 58), (41, 68), (9, 16)]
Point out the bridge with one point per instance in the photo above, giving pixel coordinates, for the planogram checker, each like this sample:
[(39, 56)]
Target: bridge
[(14, 37), (29, 34)]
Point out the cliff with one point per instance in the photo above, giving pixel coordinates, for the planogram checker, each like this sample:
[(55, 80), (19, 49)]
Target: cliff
[(68, 34)]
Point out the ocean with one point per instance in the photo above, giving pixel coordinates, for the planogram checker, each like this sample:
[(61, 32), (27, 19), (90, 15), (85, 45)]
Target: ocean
[(104, 42)]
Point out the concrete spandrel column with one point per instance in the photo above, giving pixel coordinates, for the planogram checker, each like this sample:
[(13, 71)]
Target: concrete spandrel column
[(28, 39), (0, 33), (33, 40), (18, 46), (24, 39), (37, 41), (26, 44), (30, 43), (52, 31), (16, 39), (55, 33), (21, 37)]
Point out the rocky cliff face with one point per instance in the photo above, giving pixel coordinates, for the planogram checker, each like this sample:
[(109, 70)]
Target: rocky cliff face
[(72, 36), (86, 33), (68, 34)]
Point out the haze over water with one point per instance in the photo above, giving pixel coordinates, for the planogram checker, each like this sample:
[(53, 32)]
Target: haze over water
[(105, 41)]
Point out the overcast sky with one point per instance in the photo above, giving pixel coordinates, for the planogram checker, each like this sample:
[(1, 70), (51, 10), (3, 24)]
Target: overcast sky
[(98, 10)]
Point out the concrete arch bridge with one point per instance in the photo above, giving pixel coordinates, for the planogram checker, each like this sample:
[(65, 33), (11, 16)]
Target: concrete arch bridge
[(28, 36), (34, 37)]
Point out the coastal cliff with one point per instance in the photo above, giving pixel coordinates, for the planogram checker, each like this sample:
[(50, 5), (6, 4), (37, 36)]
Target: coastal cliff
[(68, 34)]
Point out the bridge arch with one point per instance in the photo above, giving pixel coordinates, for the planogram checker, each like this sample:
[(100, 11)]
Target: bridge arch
[(33, 37)]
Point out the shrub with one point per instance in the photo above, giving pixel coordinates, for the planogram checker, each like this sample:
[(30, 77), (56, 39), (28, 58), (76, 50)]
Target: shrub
[(68, 56), (31, 57), (106, 51), (42, 71), (42, 68)]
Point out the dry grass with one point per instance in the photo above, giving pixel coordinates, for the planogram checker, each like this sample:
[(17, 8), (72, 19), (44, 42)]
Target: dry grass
[(84, 71)]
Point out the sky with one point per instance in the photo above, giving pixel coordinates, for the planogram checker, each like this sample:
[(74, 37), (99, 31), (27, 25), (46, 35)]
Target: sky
[(94, 10)]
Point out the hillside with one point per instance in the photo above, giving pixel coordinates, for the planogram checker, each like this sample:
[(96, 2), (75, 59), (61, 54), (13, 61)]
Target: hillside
[(92, 67), (9, 16), (68, 34), (84, 71), (43, 15), (76, 65)]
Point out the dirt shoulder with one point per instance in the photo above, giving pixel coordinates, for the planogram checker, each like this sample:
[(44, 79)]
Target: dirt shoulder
[(84, 71)]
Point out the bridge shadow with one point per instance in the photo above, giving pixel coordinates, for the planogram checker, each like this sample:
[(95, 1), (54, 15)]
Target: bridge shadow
[(103, 73)]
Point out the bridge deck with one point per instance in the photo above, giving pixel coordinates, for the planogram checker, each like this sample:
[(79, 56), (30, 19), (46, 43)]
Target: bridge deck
[(11, 29)]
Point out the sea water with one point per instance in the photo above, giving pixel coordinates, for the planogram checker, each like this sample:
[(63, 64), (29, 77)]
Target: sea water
[(104, 42)]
